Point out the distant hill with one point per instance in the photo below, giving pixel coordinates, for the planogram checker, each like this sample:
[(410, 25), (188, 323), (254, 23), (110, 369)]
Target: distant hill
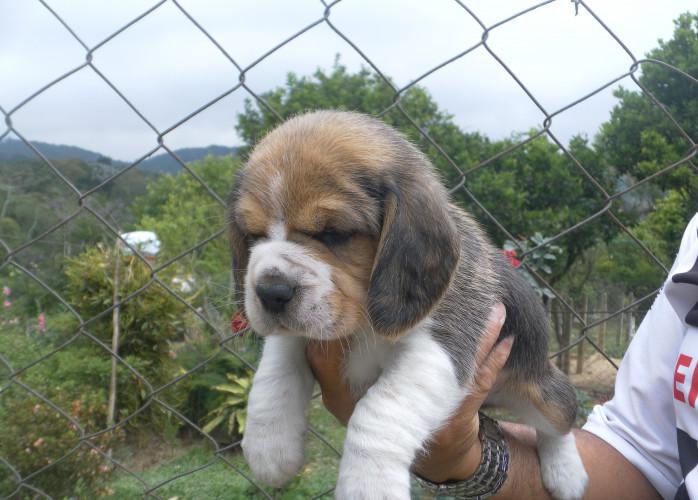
[(13, 149), (163, 162)]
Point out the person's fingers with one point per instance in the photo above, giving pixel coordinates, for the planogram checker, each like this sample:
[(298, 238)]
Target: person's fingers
[(489, 369), (498, 314)]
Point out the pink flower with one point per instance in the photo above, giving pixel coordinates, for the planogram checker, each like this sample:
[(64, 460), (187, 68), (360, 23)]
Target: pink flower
[(41, 324), (38, 442), (6, 291), (7, 304)]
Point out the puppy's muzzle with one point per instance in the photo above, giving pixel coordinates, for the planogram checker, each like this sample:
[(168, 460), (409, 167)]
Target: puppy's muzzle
[(274, 294)]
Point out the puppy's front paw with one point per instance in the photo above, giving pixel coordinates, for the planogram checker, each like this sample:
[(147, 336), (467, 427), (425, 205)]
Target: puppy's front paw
[(365, 479), (561, 467), (376, 488), (274, 457)]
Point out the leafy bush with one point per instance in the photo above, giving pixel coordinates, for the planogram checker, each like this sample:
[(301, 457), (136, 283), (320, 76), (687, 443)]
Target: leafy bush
[(199, 386), (34, 436), (232, 410), (148, 322), (540, 260)]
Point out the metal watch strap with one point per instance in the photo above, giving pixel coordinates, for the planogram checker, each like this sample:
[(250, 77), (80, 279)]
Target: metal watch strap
[(490, 474)]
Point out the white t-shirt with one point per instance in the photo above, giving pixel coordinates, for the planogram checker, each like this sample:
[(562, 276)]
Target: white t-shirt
[(652, 419)]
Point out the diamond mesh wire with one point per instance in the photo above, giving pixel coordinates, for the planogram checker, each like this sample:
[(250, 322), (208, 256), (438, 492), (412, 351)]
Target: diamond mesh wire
[(85, 206)]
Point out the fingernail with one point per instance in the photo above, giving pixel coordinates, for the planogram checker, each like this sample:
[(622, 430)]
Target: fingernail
[(498, 314)]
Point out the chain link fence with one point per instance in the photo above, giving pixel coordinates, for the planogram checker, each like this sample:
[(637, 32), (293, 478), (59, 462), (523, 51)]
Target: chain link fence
[(87, 440)]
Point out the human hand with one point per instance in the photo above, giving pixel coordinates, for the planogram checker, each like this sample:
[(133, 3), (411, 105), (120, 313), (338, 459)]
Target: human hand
[(454, 452)]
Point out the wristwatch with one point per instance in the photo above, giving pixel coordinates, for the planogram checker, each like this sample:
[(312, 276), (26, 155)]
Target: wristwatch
[(490, 474)]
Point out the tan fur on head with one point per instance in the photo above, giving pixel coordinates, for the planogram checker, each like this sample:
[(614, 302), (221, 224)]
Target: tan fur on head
[(356, 177)]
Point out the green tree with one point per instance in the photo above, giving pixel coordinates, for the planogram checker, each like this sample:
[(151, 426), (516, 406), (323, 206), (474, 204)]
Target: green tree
[(538, 188), (184, 214), (639, 140), (33, 200), (149, 322)]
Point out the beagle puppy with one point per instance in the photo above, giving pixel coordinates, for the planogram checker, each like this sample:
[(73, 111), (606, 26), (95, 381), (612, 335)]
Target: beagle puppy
[(340, 228)]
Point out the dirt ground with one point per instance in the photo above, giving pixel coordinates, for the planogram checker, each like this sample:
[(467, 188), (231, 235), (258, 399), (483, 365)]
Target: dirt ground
[(598, 376)]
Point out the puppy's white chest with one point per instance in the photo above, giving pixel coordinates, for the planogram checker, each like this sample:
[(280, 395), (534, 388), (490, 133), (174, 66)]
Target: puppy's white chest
[(368, 356)]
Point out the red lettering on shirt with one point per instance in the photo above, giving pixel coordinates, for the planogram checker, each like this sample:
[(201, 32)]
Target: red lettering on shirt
[(694, 388), (680, 378)]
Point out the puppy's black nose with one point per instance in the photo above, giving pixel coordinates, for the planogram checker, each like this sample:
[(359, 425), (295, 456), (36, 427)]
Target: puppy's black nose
[(274, 295)]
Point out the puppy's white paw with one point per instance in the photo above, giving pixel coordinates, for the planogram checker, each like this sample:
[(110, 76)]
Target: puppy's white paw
[(274, 457), (561, 467), (351, 487), (361, 478)]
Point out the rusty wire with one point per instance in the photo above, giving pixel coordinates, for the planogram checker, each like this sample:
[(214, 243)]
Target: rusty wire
[(24, 484)]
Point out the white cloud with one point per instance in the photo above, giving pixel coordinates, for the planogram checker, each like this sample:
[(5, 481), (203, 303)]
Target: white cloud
[(167, 68)]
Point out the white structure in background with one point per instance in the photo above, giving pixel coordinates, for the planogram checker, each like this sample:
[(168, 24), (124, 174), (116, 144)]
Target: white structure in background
[(146, 242), (185, 283)]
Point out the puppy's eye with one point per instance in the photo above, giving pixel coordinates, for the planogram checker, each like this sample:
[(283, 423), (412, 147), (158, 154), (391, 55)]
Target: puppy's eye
[(254, 238), (331, 237)]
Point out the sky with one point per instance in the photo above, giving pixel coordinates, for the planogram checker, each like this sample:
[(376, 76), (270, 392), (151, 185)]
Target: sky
[(167, 68)]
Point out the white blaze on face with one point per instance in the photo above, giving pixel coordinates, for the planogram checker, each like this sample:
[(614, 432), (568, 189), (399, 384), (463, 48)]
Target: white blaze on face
[(277, 231), (309, 312)]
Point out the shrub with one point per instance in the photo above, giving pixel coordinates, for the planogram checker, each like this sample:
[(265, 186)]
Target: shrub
[(34, 436), (231, 412), (199, 387)]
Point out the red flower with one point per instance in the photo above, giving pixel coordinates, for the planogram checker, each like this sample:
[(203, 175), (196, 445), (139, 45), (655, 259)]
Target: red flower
[(238, 323), (41, 323), (511, 256)]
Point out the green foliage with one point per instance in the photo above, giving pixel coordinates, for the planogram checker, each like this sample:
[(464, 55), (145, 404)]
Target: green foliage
[(639, 140), (231, 413), (198, 386), (540, 260), (34, 435), (33, 200), (516, 189), (148, 322), (218, 481), (182, 213)]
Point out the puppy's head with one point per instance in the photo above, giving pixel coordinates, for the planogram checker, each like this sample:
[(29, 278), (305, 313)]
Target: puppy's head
[(337, 223)]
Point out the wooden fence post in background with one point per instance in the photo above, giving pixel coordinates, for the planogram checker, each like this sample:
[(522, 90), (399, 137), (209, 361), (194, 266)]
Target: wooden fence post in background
[(580, 346), (111, 408), (619, 334), (556, 329), (604, 312), (565, 339), (631, 322)]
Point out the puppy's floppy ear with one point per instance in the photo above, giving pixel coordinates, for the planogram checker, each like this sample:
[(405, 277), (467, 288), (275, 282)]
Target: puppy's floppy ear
[(238, 239), (417, 254)]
